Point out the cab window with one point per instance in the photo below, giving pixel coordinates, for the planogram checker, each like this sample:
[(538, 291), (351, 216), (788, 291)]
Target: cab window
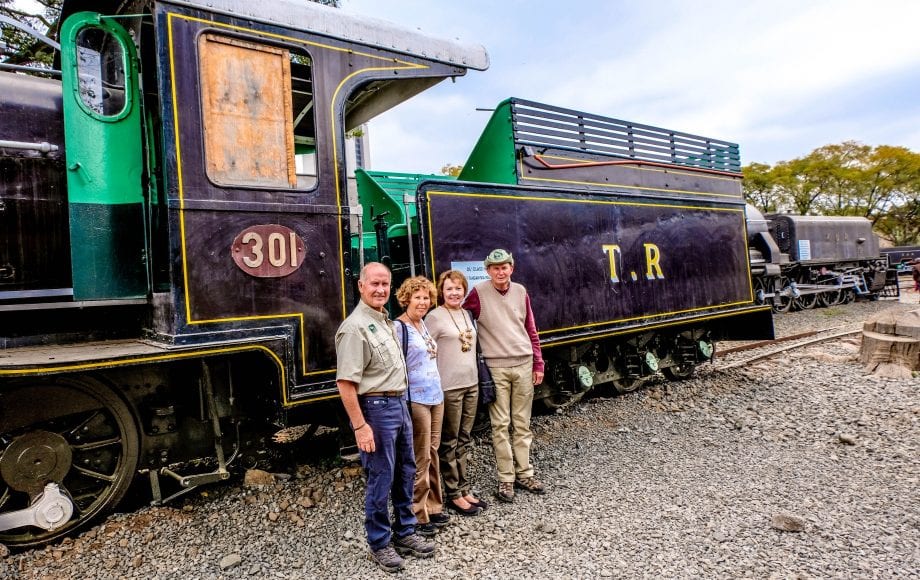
[(257, 114)]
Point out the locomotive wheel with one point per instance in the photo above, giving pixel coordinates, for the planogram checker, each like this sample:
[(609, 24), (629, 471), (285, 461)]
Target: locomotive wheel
[(849, 295), (830, 298), (806, 302), (782, 303), (679, 372), (76, 433)]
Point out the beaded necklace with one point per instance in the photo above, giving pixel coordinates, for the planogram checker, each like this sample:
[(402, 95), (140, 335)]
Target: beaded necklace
[(466, 336), (430, 345)]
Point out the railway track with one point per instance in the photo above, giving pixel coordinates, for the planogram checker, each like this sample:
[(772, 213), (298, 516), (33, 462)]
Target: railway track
[(784, 344)]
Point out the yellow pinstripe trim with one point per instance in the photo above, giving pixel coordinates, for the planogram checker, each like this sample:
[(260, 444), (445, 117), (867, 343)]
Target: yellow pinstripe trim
[(610, 185), (652, 326), (401, 64), (658, 315), (335, 162)]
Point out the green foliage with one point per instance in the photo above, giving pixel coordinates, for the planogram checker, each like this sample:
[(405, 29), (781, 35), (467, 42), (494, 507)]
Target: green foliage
[(850, 179), (18, 47)]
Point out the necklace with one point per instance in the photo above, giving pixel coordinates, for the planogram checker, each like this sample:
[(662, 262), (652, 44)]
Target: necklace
[(430, 345), (466, 336)]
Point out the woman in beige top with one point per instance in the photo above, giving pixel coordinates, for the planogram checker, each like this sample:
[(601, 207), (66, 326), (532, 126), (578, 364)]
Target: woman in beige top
[(451, 327)]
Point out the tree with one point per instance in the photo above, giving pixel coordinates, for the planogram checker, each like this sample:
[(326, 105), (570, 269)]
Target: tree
[(797, 187), (849, 179), (901, 224), (20, 48), (760, 187)]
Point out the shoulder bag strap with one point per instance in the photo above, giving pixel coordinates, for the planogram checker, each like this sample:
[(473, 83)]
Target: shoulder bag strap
[(405, 350)]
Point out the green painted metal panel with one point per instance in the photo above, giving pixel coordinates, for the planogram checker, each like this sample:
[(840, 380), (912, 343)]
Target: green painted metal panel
[(383, 192), (104, 156), (493, 157)]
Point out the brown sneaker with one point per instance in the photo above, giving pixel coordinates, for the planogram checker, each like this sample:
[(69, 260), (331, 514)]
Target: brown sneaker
[(415, 546), (505, 491), (531, 484), (386, 558)]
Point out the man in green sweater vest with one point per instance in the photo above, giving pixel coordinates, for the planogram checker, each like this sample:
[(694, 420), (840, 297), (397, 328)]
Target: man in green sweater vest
[(511, 347)]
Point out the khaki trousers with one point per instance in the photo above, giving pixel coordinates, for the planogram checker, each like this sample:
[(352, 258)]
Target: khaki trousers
[(456, 441), (426, 438), (512, 407)]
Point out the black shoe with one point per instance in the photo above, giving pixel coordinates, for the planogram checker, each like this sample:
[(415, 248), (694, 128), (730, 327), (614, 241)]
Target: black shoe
[(439, 520), (480, 503), (428, 530), (470, 511)]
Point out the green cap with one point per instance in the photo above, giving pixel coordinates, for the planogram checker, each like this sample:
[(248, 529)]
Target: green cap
[(498, 256)]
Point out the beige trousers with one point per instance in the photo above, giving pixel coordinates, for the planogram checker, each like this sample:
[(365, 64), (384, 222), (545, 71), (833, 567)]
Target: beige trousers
[(426, 438), (512, 407)]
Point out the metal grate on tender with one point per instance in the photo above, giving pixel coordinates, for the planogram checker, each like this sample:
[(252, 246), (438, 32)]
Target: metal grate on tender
[(548, 127)]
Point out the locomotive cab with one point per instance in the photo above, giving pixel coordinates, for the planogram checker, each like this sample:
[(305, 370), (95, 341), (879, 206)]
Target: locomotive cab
[(186, 186)]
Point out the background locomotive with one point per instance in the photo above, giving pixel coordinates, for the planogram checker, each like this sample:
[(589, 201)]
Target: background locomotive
[(806, 261), (179, 243), (901, 257)]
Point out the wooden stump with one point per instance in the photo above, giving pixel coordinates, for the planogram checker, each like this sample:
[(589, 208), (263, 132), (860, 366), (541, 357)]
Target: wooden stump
[(891, 344)]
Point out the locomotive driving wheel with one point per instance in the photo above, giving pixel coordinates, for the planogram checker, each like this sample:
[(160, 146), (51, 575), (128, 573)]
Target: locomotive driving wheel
[(68, 453), (831, 298), (806, 301), (782, 302)]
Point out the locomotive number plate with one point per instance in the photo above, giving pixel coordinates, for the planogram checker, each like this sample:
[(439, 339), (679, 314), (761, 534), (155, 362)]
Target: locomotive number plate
[(268, 250)]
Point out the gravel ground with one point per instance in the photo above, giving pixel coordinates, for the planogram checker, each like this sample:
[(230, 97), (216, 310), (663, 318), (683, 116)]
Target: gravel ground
[(679, 480)]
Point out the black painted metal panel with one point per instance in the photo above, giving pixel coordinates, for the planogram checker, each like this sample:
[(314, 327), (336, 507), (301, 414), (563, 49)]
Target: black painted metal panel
[(562, 244)]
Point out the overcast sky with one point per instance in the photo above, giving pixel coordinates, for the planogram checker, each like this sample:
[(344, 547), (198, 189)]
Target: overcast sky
[(779, 77)]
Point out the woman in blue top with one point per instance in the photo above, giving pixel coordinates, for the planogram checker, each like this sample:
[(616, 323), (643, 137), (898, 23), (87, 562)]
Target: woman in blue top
[(417, 295)]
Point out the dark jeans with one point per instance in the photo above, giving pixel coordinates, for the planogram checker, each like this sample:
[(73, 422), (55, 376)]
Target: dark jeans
[(389, 469)]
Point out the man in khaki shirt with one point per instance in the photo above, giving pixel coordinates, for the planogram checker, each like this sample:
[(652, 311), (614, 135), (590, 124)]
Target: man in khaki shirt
[(371, 377)]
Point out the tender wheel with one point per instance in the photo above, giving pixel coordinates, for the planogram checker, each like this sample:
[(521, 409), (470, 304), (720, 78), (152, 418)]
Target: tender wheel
[(626, 384), (561, 400), (679, 372), (76, 433)]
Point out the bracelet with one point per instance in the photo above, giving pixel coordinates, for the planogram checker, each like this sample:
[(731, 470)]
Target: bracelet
[(356, 429)]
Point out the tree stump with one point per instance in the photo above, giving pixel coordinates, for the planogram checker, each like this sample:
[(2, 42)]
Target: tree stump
[(891, 344)]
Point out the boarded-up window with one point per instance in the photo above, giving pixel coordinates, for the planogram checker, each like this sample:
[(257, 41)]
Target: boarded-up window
[(246, 101)]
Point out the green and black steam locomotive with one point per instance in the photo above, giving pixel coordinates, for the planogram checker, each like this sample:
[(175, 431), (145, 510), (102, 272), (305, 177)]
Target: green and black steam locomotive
[(179, 241)]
